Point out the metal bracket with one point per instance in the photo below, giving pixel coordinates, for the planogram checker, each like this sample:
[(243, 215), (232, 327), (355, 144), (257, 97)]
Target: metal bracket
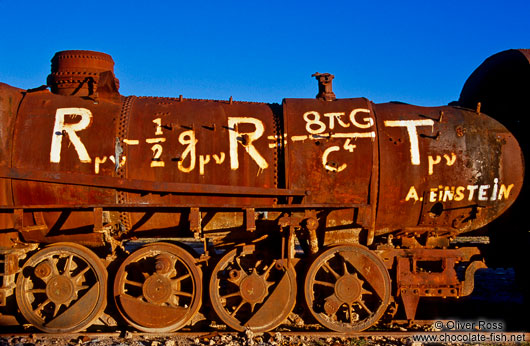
[(98, 219), (195, 223), (18, 215), (469, 281), (250, 219), (311, 224), (39, 228)]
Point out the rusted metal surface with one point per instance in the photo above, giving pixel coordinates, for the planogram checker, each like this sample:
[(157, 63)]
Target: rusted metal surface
[(347, 288), (501, 84), (11, 257), (175, 145), (62, 288), (158, 288), (327, 153), (248, 179), (144, 186), (424, 272), (433, 171), (78, 72), (250, 290), (168, 144), (347, 153), (9, 101), (325, 89)]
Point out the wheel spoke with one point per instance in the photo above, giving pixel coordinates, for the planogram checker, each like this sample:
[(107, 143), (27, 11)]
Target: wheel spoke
[(364, 307), (68, 266), (268, 270), (132, 283), (231, 295), (184, 294), (324, 283), (351, 313), (83, 287), (363, 292), (180, 278), (81, 274), (42, 305), (237, 309), (56, 310), (333, 272), (36, 290)]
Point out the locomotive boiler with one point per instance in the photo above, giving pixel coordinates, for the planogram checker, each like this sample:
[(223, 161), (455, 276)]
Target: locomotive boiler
[(146, 211)]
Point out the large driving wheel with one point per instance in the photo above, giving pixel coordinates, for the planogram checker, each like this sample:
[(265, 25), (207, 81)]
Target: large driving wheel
[(62, 288), (347, 288), (251, 290), (158, 288)]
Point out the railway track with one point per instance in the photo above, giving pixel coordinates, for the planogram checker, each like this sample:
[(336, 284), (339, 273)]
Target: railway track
[(416, 337)]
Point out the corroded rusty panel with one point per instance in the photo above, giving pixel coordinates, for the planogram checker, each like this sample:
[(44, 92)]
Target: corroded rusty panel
[(329, 149), (500, 87), (198, 142), (201, 142), (9, 101), (148, 139), (64, 134), (444, 168)]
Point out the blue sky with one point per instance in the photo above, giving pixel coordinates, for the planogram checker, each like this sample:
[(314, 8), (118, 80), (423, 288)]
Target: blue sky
[(420, 52)]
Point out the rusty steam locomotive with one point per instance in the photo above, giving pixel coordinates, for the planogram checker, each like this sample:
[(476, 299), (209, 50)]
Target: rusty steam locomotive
[(342, 206)]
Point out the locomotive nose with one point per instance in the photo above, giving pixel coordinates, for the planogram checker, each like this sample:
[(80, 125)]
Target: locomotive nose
[(500, 87)]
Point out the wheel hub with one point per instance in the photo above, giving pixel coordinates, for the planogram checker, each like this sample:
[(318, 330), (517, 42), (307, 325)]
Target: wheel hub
[(253, 289), (157, 289), (43, 270), (60, 289), (348, 289)]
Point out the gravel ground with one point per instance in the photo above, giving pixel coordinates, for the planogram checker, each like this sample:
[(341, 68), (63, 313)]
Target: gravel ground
[(272, 339)]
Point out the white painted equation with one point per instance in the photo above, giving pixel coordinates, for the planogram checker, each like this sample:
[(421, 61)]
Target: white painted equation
[(187, 162), (318, 129)]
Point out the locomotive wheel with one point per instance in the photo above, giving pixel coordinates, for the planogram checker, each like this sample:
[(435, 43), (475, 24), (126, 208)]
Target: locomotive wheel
[(249, 290), (62, 288), (347, 288), (158, 288)]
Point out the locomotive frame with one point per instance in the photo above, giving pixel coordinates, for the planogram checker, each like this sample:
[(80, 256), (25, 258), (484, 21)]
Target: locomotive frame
[(280, 205)]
